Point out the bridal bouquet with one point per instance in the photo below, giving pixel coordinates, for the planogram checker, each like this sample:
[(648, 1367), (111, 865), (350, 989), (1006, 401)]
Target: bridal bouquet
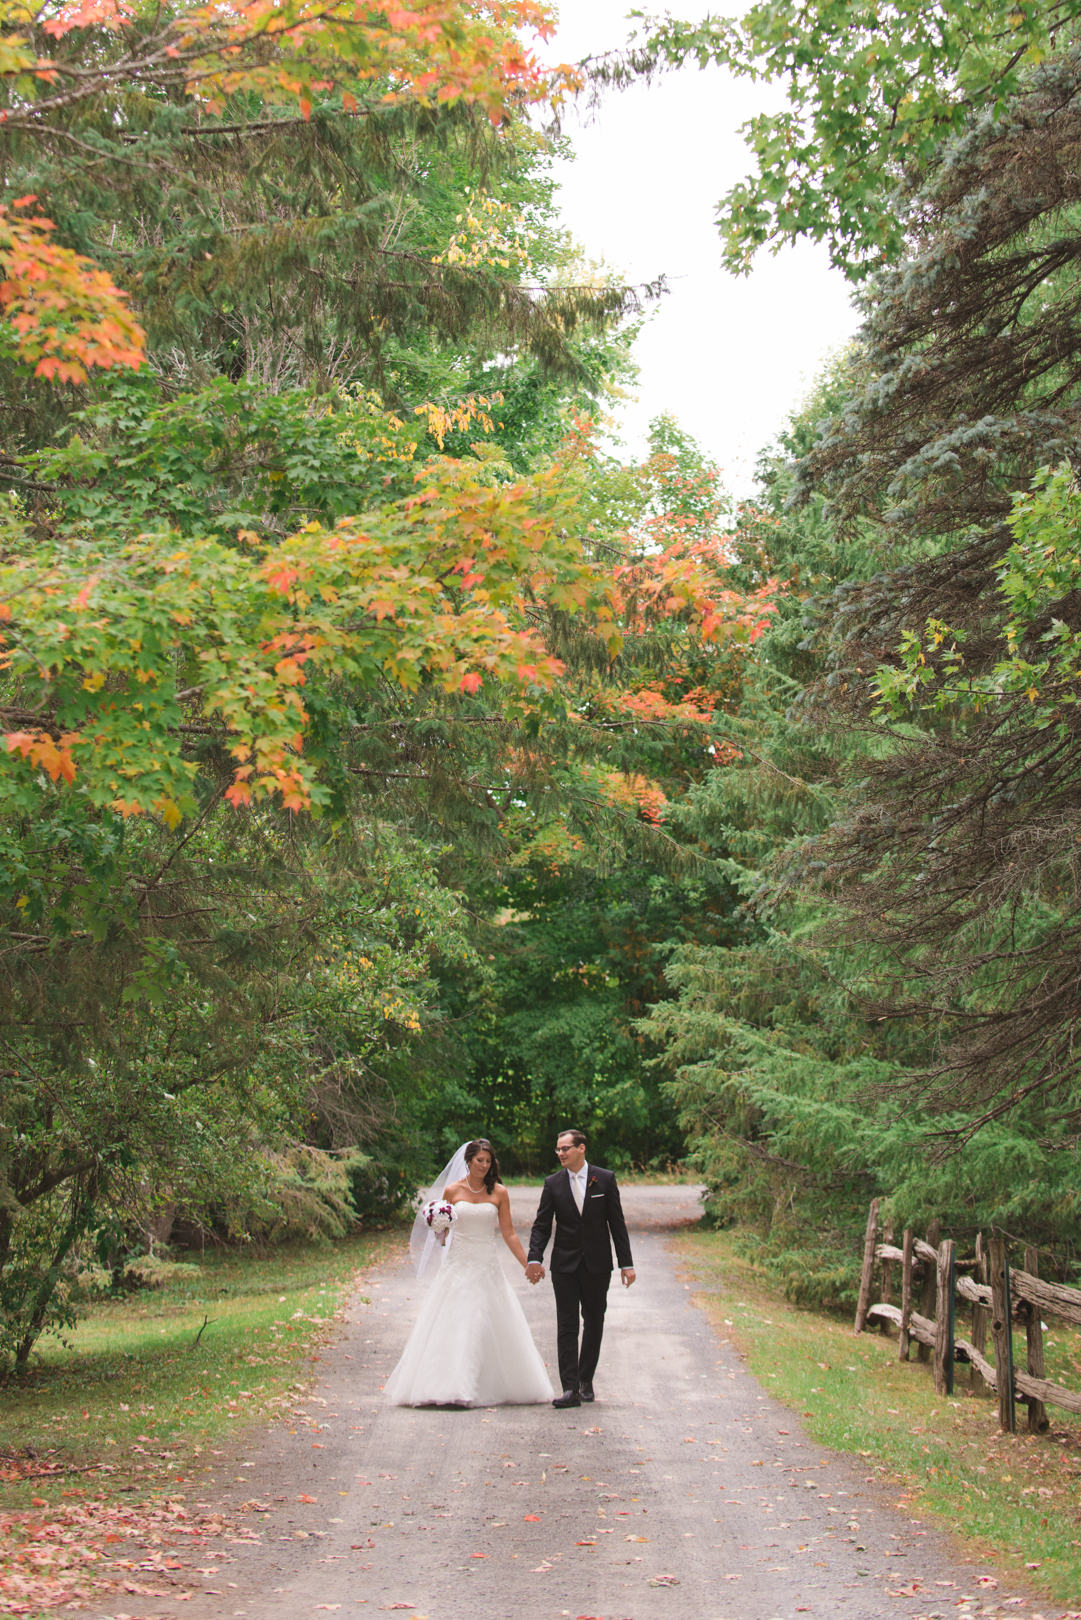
[(439, 1216)]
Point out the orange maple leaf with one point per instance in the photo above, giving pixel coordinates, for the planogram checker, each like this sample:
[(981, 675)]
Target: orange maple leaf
[(67, 315)]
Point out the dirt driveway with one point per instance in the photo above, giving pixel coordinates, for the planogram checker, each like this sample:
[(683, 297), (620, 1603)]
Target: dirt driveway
[(684, 1491)]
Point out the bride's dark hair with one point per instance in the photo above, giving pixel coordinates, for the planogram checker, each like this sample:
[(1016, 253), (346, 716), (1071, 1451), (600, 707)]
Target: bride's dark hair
[(482, 1144)]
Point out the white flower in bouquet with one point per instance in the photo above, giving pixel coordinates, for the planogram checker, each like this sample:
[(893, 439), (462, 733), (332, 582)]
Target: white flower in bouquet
[(440, 1216)]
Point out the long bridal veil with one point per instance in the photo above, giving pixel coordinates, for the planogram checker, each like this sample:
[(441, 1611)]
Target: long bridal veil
[(426, 1252)]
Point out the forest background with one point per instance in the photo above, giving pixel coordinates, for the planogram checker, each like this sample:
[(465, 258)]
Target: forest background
[(387, 762)]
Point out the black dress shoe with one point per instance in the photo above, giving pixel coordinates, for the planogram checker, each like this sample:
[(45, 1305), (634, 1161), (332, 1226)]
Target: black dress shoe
[(586, 1393), (569, 1397)]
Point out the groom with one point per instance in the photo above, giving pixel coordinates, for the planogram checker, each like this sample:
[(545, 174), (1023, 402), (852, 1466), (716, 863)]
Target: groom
[(589, 1217)]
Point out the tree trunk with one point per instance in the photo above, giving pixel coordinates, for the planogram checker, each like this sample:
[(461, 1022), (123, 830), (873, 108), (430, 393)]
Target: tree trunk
[(76, 1226)]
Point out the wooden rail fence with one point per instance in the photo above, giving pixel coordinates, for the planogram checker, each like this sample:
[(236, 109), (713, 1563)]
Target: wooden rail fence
[(999, 1295)]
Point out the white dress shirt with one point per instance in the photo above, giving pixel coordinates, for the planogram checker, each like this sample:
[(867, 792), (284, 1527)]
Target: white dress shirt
[(578, 1186)]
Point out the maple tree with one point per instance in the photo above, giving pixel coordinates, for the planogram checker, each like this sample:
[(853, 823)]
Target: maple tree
[(433, 52), (171, 697), (264, 627), (437, 587), (66, 314), (871, 92)]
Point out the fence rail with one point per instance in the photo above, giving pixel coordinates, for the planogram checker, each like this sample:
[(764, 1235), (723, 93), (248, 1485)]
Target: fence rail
[(999, 1295)]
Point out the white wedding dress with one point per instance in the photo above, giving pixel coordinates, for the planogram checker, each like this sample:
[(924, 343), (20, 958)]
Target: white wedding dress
[(471, 1345)]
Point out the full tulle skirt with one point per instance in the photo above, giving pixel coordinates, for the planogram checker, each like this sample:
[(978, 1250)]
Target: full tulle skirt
[(471, 1345)]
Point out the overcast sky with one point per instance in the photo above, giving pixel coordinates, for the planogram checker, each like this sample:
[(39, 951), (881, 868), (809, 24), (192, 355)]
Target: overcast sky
[(728, 356)]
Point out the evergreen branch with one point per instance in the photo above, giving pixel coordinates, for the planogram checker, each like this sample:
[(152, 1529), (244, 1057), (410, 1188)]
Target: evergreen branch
[(257, 126), (102, 153), (211, 804)]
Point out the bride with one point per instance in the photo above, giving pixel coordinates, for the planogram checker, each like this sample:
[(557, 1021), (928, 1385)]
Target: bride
[(471, 1345)]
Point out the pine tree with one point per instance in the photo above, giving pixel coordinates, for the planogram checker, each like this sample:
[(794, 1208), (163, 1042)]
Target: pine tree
[(955, 852)]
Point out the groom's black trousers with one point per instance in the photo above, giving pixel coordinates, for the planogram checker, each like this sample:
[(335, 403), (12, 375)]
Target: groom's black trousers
[(585, 1293)]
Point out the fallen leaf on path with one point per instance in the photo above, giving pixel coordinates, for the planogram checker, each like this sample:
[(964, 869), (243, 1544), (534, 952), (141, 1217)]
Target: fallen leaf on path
[(307, 1499), (541, 1569), (636, 1538), (330, 1605), (531, 1518), (986, 1580), (399, 1605), (480, 1555), (665, 1580)]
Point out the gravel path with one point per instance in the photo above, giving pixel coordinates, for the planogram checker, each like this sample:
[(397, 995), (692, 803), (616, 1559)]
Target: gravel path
[(685, 1490)]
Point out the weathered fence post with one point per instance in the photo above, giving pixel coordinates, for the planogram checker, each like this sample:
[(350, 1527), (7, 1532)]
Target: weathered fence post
[(1002, 1334), (867, 1277), (927, 1296), (943, 1364), (906, 1295), (1038, 1422), (886, 1291), (979, 1319)]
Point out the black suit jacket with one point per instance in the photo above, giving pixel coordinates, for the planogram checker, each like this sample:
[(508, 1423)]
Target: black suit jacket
[(581, 1237)]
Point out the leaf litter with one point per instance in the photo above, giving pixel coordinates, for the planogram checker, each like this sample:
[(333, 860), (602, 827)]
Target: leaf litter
[(84, 1551)]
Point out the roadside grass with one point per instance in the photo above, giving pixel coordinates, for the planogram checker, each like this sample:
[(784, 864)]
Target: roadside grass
[(138, 1392), (1015, 1497)]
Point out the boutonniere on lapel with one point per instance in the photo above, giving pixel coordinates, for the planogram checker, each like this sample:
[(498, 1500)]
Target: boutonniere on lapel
[(592, 1181)]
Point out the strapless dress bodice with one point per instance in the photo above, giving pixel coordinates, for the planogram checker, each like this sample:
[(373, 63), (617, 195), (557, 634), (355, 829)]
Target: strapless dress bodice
[(473, 1223)]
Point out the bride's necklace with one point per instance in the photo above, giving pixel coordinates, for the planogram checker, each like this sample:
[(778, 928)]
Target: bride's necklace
[(469, 1183)]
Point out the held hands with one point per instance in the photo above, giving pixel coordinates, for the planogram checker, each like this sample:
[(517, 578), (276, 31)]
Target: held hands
[(534, 1271), (627, 1276)]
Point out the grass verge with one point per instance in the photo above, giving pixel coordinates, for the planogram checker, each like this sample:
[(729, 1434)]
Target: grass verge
[(1016, 1496), (114, 1434), (140, 1399)]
